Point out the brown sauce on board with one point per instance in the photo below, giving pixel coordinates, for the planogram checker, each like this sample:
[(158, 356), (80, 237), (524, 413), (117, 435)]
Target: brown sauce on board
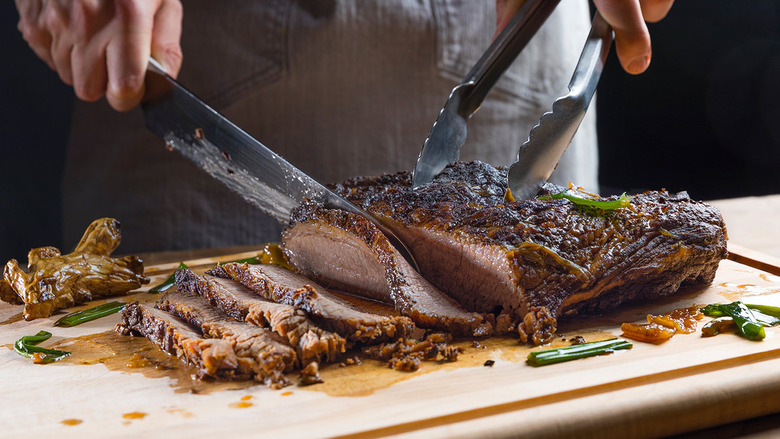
[(373, 375), (134, 415), (733, 291), (138, 355), (71, 422), (13, 319), (240, 405)]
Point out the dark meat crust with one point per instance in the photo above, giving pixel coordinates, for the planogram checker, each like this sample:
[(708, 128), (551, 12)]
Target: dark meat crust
[(544, 257)]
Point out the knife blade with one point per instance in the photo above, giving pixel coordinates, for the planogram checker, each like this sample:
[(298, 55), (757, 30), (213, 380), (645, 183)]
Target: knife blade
[(233, 157), (448, 133)]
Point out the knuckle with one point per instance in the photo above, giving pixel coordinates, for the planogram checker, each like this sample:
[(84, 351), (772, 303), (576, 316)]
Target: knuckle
[(54, 18), (127, 86), (87, 92), (174, 6), (87, 18), (173, 54), (128, 9)]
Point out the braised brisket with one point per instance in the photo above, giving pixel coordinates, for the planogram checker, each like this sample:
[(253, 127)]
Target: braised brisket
[(347, 252), (531, 261), (311, 342), (263, 351), (283, 286), (214, 358)]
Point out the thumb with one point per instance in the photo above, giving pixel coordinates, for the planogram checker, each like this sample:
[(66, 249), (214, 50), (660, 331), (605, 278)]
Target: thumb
[(166, 36)]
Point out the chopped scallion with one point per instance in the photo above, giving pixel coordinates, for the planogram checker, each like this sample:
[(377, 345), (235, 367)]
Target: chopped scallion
[(168, 283), (79, 317), (26, 346), (575, 352)]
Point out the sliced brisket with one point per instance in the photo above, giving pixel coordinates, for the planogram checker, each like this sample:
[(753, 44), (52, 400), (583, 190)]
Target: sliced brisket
[(347, 252), (213, 358), (263, 351), (534, 260), (283, 286), (311, 342)]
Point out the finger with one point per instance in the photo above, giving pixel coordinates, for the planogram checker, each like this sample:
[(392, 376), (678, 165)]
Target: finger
[(632, 40), (127, 54), (90, 77), (57, 21), (166, 36), (30, 26), (90, 27), (655, 10)]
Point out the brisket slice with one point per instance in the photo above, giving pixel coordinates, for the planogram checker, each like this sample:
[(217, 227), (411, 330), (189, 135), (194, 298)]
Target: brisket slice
[(283, 286), (537, 260), (311, 342), (263, 351), (347, 252), (213, 358)]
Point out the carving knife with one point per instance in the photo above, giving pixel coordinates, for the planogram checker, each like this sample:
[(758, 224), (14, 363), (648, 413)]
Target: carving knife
[(230, 155), (448, 133), (549, 139)]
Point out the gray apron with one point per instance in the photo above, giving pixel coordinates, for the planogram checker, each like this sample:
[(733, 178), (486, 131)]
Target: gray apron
[(340, 88)]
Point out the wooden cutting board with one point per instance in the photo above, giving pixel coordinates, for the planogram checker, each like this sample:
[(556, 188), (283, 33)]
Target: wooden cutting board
[(684, 384)]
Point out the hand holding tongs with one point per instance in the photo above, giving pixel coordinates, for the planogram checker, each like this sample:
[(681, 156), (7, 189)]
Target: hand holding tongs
[(448, 133)]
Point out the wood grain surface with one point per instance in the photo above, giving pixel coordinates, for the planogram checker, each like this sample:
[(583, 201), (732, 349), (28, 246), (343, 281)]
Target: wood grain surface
[(684, 384)]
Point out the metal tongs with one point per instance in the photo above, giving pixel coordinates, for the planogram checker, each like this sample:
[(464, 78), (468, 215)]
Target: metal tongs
[(548, 140), (448, 133)]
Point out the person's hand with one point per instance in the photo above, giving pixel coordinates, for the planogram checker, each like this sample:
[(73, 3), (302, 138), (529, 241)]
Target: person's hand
[(102, 47), (627, 18), (632, 40)]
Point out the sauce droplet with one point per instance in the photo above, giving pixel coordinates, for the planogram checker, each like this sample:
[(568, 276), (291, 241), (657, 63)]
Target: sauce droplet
[(240, 405), (134, 415), (71, 422)]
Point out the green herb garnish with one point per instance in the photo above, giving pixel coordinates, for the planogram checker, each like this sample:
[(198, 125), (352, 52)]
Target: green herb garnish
[(26, 346), (168, 283), (750, 322), (579, 200), (79, 317), (575, 352)]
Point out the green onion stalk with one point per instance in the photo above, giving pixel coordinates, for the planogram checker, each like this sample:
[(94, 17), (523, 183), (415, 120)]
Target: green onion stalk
[(167, 283), (750, 319), (79, 317), (575, 352), (605, 206), (27, 347)]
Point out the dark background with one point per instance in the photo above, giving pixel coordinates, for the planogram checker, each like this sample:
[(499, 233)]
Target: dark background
[(704, 118), (34, 119)]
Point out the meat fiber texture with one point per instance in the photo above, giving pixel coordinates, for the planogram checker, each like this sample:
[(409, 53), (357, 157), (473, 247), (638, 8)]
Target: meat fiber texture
[(311, 342), (347, 252), (213, 358), (528, 262), (283, 286)]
